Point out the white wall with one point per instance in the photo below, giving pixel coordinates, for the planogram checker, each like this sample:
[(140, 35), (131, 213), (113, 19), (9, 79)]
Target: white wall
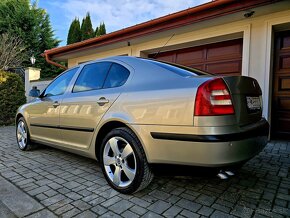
[(32, 76)]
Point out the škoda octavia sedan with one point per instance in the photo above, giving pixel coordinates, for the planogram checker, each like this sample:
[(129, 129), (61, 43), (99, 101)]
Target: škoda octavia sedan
[(130, 112)]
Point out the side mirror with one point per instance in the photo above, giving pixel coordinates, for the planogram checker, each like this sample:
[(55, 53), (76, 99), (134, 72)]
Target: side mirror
[(34, 92)]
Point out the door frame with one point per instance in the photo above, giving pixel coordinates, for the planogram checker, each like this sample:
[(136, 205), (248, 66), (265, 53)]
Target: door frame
[(269, 64)]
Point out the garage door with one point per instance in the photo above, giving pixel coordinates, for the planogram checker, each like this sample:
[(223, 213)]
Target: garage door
[(220, 58), (281, 86)]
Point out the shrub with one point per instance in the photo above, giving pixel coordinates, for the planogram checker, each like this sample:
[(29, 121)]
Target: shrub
[(12, 95)]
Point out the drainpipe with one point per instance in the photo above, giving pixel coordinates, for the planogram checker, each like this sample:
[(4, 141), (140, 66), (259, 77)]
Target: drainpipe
[(52, 62)]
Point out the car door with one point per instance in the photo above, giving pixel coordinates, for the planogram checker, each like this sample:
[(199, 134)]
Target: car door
[(44, 112), (96, 88)]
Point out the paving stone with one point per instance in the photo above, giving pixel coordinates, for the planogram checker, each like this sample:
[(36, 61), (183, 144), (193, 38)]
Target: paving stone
[(39, 190), (97, 201), (81, 205), (242, 211), (5, 212), (206, 211), (73, 195), (86, 214), (172, 211), (50, 193), (205, 199), (221, 207), (140, 202), (220, 214), (151, 215), (59, 204), (159, 194), (110, 214), (159, 206), (63, 209), (71, 213), (129, 214), (189, 214), (99, 210), (189, 205), (138, 210), (42, 213), (121, 206), (111, 201), (53, 200)]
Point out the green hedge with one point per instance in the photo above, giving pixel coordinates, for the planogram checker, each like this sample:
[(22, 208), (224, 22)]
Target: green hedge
[(12, 95)]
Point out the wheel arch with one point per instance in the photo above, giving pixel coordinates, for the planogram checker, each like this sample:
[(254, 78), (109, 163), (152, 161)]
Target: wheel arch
[(18, 116), (106, 128)]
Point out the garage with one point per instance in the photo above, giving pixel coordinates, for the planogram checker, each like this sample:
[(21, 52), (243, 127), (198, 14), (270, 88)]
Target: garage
[(223, 58), (281, 86)]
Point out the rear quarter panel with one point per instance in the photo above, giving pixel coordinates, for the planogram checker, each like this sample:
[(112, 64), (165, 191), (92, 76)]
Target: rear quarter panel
[(159, 97)]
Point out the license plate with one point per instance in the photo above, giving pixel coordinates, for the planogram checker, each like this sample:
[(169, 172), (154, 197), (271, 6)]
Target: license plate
[(253, 104)]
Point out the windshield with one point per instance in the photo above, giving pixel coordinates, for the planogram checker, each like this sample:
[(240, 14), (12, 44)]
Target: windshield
[(178, 69)]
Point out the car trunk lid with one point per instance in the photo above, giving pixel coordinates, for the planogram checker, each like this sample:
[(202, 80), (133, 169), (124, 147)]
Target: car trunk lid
[(246, 97)]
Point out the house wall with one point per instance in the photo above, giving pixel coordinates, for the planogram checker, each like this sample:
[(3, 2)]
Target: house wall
[(257, 34), (32, 76)]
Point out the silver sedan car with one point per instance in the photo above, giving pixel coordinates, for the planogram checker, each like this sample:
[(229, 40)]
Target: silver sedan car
[(131, 112)]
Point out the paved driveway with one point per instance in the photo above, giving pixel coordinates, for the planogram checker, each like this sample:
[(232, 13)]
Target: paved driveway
[(67, 185)]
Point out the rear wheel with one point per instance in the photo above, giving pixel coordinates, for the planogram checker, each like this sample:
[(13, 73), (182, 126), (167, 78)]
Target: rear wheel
[(22, 135), (123, 161)]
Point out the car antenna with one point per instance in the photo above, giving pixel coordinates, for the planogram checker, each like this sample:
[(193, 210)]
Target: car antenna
[(163, 46)]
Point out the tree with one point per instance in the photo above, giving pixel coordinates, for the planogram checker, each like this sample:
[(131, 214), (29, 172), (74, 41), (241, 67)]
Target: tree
[(12, 51), (87, 28), (32, 25), (97, 31), (101, 30), (12, 96), (74, 33)]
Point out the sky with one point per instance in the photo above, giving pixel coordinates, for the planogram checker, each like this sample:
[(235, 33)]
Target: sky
[(116, 14)]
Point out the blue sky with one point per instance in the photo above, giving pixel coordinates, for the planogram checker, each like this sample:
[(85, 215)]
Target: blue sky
[(117, 14)]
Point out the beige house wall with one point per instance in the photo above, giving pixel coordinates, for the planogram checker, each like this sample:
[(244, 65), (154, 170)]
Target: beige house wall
[(257, 34)]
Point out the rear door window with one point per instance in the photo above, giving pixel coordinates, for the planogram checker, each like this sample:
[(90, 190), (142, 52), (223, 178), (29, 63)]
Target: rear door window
[(117, 76), (60, 84), (92, 77)]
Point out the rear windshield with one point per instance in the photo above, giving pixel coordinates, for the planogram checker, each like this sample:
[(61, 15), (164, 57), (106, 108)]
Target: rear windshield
[(178, 69)]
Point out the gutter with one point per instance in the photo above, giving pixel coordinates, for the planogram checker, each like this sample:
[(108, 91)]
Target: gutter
[(48, 60)]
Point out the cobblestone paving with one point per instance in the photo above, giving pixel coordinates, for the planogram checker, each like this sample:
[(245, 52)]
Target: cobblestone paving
[(68, 185)]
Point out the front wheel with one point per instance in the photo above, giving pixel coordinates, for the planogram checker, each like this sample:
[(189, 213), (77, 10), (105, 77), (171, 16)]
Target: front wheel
[(22, 135), (123, 161)]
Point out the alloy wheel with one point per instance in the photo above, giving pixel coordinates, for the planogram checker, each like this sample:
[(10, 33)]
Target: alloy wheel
[(119, 161), (21, 134)]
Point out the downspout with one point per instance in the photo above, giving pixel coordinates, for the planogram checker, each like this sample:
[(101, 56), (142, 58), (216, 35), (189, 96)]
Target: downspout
[(52, 62)]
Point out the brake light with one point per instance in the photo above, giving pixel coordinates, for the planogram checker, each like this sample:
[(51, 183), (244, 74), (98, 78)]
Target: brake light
[(213, 98)]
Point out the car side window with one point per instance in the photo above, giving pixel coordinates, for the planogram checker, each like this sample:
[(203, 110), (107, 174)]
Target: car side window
[(60, 84), (92, 77), (117, 76)]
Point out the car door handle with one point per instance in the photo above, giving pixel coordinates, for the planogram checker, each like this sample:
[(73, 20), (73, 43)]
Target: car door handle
[(55, 104), (102, 101)]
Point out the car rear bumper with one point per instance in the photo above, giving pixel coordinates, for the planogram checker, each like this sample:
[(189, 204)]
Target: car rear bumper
[(222, 146)]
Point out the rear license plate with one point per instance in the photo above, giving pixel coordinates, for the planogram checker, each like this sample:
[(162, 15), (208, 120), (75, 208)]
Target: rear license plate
[(253, 104)]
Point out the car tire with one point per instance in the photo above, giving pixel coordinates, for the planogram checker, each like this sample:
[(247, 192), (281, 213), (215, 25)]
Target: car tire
[(124, 162), (23, 136)]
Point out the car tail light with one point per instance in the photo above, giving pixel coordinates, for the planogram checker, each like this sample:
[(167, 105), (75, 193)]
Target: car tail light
[(213, 98)]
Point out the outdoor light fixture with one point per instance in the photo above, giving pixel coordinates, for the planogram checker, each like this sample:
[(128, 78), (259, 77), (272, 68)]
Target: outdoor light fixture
[(32, 60), (249, 14)]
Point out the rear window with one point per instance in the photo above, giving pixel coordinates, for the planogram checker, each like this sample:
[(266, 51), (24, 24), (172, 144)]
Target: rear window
[(178, 69), (117, 76)]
